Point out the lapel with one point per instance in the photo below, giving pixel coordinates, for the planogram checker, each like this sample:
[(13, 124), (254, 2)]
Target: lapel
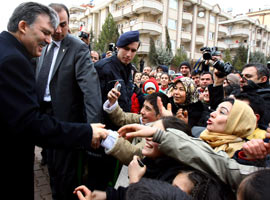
[(61, 53), (40, 60)]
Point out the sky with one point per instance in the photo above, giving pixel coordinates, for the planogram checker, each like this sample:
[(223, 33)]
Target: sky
[(238, 6)]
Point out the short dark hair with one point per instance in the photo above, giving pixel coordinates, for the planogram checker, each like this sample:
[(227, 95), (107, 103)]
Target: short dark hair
[(256, 102), (152, 99), (262, 70), (29, 12), (255, 186), (176, 123), (151, 189), (58, 7), (206, 72)]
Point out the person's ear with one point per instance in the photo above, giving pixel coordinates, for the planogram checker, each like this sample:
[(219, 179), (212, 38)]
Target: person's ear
[(22, 26), (263, 79), (257, 117)]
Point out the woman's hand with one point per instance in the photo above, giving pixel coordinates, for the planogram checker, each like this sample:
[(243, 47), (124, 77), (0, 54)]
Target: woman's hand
[(136, 130)]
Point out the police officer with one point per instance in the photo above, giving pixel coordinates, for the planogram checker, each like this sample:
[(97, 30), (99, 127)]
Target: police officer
[(118, 67)]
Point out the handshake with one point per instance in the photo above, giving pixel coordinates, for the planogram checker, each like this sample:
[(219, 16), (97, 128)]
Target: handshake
[(98, 133)]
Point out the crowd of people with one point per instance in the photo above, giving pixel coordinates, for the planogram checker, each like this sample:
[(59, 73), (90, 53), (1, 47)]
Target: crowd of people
[(111, 131)]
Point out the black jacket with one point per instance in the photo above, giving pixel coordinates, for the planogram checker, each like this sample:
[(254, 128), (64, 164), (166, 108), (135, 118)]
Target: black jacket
[(22, 126)]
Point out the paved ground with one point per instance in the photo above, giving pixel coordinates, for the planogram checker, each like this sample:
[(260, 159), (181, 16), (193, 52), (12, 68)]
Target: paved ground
[(42, 187)]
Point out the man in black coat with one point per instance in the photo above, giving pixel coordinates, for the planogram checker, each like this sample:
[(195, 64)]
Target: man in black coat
[(110, 70), (22, 126), (73, 95)]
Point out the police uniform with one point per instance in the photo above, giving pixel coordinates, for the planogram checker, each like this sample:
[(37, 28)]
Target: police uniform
[(110, 70)]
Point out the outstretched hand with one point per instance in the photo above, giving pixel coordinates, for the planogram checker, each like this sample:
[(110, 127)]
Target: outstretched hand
[(136, 130), (98, 133), (113, 96), (162, 110)]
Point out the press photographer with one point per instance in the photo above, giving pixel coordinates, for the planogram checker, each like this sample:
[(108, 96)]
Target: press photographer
[(211, 56), (86, 38)]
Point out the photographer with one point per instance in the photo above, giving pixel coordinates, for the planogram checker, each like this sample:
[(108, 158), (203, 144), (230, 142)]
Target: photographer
[(85, 37)]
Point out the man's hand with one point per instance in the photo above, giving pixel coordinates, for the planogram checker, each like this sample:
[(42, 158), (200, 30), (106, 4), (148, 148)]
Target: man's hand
[(98, 133), (136, 130), (83, 193), (218, 81), (113, 96), (162, 110), (135, 171)]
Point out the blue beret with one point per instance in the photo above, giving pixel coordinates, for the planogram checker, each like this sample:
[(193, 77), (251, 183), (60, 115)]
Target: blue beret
[(127, 38)]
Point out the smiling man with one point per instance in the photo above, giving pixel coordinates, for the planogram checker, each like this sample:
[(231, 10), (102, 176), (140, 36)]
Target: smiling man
[(22, 124)]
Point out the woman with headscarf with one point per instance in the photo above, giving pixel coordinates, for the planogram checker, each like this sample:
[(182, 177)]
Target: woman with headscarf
[(229, 126), (185, 102)]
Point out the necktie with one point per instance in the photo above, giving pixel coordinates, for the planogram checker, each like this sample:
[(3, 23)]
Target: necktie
[(44, 72)]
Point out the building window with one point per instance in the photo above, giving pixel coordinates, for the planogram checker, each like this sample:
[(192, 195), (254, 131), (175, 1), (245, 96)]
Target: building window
[(173, 4), (172, 24), (211, 36), (212, 19), (173, 44)]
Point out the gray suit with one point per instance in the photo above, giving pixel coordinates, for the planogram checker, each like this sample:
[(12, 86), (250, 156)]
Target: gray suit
[(75, 97)]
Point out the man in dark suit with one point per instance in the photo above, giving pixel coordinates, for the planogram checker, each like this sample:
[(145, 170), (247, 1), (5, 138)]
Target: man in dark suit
[(22, 125), (71, 94)]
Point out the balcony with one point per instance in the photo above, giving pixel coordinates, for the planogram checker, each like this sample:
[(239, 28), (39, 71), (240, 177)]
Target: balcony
[(187, 18), (144, 48), (186, 36), (143, 6), (148, 6), (237, 45), (239, 32), (223, 30), (147, 27), (117, 15), (222, 45), (201, 22), (199, 39)]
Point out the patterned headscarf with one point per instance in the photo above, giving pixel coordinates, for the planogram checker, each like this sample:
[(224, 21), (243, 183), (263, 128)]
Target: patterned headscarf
[(192, 95)]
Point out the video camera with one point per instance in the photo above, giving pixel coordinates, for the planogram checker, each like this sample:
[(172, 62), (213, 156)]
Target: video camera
[(84, 35), (223, 68), (209, 52)]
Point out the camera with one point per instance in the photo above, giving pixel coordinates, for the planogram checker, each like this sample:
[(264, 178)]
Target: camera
[(112, 47), (223, 68), (209, 52), (84, 35)]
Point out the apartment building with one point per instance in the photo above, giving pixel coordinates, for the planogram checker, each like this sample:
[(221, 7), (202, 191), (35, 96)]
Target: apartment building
[(262, 15), (248, 32), (192, 24)]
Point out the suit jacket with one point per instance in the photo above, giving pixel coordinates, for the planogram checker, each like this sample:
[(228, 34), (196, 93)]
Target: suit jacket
[(22, 126), (74, 85)]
